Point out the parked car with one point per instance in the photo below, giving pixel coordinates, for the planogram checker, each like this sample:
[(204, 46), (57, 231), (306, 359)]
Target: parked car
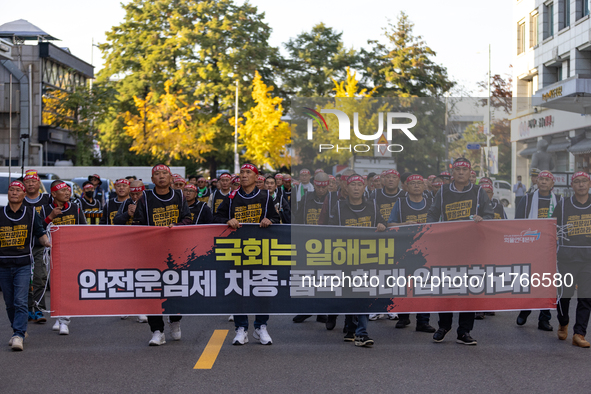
[(76, 190), (4, 182), (503, 192)]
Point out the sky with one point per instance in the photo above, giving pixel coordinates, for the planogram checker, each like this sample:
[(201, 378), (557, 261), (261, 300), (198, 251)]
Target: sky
[(459, 31)]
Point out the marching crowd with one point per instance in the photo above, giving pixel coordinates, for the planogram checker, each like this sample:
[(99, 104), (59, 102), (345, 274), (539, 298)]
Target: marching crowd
[(379, 201)]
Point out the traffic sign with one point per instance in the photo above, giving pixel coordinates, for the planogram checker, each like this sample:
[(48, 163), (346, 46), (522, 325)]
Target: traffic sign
[(473, 146)]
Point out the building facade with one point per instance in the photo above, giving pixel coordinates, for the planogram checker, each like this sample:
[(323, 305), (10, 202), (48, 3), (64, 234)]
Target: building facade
[(38, 77), (552, 86)]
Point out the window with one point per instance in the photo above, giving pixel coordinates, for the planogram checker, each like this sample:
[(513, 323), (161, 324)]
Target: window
[(548, 20), (582, 8), (564, 12), (533, 30), (521, 37)]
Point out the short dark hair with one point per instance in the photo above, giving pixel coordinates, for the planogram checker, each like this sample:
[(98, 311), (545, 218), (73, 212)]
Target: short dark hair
[(370, 175), (58, 181), (193, 177), (130, 177), (403, 176), (463, 159)]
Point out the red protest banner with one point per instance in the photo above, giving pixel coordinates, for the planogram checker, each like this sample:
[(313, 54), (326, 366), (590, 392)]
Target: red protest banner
[(212, 269)]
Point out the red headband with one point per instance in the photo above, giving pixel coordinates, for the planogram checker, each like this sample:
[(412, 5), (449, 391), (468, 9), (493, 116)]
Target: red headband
[(122, 182), (307, 172), (88, 186), (376, 177), (473, 172), (287, 178), (332, 178), (576, 175), (137, 189), (279, 176), (461, 163), (546, 174), (261, 178), (236, 179), (414, 177), (485, 180), (386, 172), (161, 167), (190, 186), (59, 186), (31, 171), (445, 173), (225, 176), (178, 179), (32, 175), (487, 186), (321, 183), (96, 176), (432, 177), (17, 184), (355, 178), (214, 180), (438, 183), (318, 170), (250, 167)]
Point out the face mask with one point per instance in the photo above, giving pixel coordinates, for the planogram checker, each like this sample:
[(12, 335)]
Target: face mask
[(89, 194)]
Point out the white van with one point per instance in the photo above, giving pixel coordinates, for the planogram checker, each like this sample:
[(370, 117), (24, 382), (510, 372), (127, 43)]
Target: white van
[(503, 193), (4, 186)]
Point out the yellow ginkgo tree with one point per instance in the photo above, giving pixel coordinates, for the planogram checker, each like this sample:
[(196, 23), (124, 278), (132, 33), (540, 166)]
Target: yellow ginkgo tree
[(168, 127), (263, 135)]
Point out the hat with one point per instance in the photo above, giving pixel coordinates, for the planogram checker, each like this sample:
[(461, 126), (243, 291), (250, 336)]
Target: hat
[(97, 176), (534, 172)]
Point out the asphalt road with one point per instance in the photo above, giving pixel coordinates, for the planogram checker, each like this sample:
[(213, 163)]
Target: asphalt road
[(107, 354)]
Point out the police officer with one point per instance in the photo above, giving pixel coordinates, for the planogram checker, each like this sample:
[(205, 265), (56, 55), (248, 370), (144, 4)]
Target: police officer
[(462, 193)]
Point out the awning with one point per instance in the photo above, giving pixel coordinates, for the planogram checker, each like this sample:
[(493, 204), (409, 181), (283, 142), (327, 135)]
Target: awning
[(559, 145), (530, 150), (581, 148)]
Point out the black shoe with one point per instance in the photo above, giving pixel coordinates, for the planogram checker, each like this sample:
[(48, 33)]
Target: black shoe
[(544, 325), (466, 339), (363, 341), (321, 319), (522, 318), (490, 314), (439, 334), (331, 322), (479, 316), (301, 318), (402, 323), (349, 337), (425, 328)]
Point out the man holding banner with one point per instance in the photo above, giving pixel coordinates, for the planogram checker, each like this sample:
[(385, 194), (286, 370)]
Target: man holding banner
[(355, 212), (574, 256), (162, 206), (538, 205), (460, 200), (248, 205), (19, 224)]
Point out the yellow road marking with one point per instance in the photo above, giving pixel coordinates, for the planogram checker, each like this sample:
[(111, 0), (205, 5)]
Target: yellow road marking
[(211, 351)]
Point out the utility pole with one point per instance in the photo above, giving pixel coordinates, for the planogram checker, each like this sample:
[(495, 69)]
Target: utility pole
[(489, 131), (236, 156)]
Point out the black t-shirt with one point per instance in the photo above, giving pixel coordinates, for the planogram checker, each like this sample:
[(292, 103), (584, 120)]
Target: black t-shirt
[(71, 214), (162, 210), (200, 213), (110, 211), (247, 208), (385, 202), (365, 214)]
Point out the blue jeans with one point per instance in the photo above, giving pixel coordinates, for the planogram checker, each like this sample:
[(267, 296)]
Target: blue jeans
[(357, 324), (15, 288), (242, 321)]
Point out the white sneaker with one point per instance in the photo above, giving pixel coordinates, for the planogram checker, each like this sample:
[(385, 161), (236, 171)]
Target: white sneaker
[(175, 330), (10, 341), (375, 316), (231, 318), (142, 319), (64, 330), (17, 343), (262, 335), (392, 316), (158, 339), (56, 326), (241, 336)]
